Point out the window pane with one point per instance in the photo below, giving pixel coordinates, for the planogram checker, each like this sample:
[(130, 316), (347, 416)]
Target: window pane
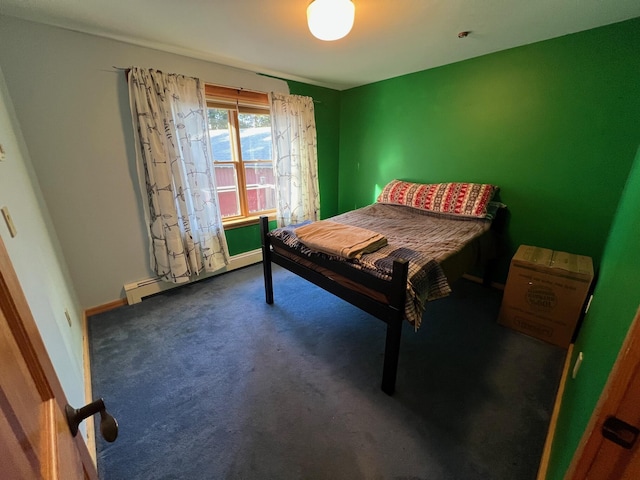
[(255, 141), (261, 191), (219, 135), (258, 187), (227, 186), (255, 136), (226, 175)]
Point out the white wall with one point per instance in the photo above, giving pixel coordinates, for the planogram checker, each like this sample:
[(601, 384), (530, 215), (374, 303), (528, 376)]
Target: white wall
[(37, 258), (73, 110)]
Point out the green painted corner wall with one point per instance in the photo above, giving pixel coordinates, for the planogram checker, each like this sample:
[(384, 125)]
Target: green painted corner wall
[(555, 124), (615, 302), (327, 113)]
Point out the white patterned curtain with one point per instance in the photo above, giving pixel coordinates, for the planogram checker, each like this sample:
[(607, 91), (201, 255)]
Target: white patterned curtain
[(293, 127), (176, 174)]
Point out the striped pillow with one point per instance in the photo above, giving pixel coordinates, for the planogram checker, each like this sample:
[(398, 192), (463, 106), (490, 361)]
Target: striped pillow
[(465, 199)]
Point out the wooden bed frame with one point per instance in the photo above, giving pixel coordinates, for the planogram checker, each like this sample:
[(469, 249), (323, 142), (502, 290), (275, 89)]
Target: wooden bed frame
[(392, 313)]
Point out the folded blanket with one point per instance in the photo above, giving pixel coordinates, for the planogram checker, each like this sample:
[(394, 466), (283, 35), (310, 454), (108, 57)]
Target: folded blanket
[(338, 239)]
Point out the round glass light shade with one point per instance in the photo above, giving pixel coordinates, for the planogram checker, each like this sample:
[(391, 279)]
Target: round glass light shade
[(330, 19)]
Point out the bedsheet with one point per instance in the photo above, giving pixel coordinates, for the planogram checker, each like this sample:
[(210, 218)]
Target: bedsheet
[(426, 240)]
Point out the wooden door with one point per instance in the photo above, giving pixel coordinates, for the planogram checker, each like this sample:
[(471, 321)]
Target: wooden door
[(600, 458), (35, 440)]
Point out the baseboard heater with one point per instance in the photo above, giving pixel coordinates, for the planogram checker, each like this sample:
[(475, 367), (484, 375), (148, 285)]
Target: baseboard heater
[(136, 291)]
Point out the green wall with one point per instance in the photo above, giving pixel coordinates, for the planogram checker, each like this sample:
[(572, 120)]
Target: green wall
[(615, 302), (244, 239), (327, 113), (555, 124)]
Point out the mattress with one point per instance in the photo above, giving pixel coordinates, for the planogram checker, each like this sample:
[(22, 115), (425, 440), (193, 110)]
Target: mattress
[(438, 247)]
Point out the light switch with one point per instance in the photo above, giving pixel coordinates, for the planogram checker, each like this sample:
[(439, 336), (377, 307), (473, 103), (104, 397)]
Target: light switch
[(9, 220)]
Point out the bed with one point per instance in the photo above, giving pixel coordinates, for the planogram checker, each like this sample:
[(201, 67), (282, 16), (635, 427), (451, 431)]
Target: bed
[(433, 234)]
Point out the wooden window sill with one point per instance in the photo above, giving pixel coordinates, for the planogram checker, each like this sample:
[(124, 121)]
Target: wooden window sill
[(245, 221)]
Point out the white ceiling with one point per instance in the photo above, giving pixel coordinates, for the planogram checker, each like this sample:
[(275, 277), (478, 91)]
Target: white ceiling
[(389, 37)]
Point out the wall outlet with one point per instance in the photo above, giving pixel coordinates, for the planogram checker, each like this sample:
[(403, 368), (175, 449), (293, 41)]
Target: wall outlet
[(68, 315)]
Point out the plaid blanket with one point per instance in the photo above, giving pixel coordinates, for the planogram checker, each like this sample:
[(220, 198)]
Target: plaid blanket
[(424, 239)]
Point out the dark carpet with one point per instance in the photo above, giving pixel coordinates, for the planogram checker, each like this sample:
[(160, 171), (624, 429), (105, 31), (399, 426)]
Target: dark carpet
[(207, 381)]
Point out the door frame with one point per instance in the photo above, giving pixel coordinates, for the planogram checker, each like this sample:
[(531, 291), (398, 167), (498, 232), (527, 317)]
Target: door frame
[(25, 330), (626, 366)]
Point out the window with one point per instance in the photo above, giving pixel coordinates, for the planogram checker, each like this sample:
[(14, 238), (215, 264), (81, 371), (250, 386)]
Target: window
[(240, 133)]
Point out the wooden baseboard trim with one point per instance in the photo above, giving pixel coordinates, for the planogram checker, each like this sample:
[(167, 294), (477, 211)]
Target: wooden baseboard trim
[(105, 307), (88, 390), (553, 423), (473, 278)]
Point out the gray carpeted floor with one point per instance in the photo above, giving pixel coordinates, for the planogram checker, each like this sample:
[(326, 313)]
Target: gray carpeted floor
[(207, 381)]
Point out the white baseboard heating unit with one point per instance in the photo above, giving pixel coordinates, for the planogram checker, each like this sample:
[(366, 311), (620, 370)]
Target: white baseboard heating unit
[(136, 291)]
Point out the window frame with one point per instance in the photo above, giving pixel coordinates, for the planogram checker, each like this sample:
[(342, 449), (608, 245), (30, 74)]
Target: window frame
[(237, 101)]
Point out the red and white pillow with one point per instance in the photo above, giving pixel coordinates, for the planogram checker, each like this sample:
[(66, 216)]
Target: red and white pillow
[(465, 199)]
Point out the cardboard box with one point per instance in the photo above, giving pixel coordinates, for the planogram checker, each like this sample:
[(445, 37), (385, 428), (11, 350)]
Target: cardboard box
[(545, 293)]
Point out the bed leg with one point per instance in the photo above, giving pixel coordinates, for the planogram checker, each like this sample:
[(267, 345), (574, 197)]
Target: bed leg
[(398, 294), (266, 259), (391, 354)]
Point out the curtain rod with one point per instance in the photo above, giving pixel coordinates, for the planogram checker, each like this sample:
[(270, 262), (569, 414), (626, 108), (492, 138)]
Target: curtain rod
[(127, 69)]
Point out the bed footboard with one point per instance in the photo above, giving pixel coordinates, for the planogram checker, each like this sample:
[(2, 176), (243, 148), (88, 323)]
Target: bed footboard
[(392, 312)]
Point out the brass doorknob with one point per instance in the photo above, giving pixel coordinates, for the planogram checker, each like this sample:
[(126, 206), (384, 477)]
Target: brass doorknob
[(108, 424)]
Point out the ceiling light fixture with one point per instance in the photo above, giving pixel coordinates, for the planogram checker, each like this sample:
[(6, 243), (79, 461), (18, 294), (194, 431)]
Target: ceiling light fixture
[(330, 19)]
